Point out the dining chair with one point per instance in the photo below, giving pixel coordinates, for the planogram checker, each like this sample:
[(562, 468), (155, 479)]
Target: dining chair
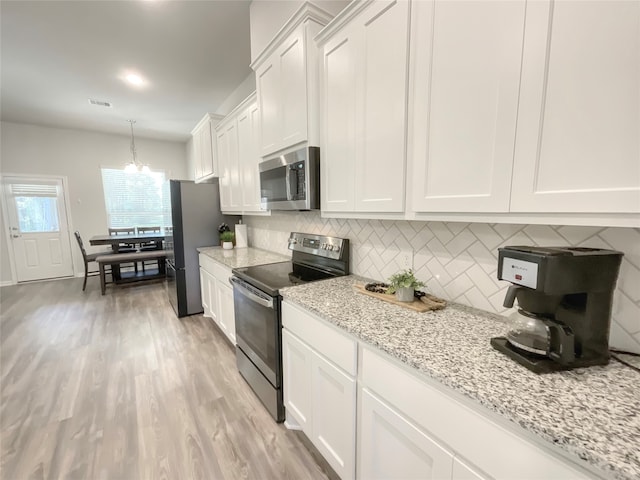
[(87, 257), (125, 247), (154, 245)]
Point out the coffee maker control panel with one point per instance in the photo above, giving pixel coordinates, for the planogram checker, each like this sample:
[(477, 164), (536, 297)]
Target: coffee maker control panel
[(519, 272)]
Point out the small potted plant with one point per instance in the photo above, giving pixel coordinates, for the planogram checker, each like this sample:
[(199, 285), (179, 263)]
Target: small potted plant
[(403, 284), (226, 236)]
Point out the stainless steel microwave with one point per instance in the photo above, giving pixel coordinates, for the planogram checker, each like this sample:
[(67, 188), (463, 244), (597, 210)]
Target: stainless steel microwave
[(291, 181)]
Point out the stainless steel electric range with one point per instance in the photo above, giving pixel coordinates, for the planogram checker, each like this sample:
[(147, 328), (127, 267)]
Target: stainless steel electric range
[(258, 315)]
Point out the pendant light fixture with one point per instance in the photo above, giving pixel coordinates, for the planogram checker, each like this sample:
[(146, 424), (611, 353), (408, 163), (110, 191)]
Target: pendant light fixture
[(134, 165)]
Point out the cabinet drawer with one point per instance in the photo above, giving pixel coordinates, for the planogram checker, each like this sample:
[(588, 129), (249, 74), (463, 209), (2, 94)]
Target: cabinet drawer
[(206, 262), (339, 348), (221, 273), (490, 446)]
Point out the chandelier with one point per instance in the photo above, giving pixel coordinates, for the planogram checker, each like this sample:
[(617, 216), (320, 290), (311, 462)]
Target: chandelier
[(134, 165)]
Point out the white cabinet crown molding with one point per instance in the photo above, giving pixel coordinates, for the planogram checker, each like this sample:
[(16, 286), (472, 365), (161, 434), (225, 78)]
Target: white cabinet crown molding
[(237, 109), (344, 17), (307, 11), (213, 117)]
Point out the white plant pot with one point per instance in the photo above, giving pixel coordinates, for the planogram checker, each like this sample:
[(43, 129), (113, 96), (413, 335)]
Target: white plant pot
[(227, 245), (404, 294)]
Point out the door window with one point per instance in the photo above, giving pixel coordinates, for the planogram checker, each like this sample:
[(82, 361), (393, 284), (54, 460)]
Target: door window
[(37, 214)]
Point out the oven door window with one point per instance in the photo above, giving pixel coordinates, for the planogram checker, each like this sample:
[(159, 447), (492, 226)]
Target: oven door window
[(257, 333)]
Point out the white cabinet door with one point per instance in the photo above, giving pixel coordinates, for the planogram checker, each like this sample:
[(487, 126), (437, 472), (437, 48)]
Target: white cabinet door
[(196, 151), (224, 167), (204, 292), (466, 71), (296, 366), (384, 58), (206, 151), (462, 471), (392, 447), (577, 147), (248, 157), (339, 122), (293, 89), (230, 188), (364, 101), (226, 312), (334, 415), (268, 87)]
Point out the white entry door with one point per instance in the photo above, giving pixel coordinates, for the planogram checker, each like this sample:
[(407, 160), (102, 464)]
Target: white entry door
[(38, 228)]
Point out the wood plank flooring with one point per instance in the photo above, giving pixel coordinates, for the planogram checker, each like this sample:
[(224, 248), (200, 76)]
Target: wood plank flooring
[(116, 387)]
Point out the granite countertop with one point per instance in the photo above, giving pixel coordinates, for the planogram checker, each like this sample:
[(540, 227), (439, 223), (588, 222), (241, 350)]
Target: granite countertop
[(592, 413), (242, 257)]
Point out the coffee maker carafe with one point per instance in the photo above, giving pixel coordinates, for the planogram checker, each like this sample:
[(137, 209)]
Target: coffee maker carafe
[(564, 297)]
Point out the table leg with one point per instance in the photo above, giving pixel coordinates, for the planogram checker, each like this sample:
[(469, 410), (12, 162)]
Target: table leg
[(115, 269)]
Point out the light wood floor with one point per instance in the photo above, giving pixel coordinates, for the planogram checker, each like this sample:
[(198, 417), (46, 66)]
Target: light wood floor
[(116, 387)]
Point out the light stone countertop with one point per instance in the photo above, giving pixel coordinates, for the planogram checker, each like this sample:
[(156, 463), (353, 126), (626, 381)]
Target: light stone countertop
[(591, 413), (242, 257)]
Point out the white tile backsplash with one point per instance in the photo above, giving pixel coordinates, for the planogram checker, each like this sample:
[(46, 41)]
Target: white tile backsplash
[(458, 261)]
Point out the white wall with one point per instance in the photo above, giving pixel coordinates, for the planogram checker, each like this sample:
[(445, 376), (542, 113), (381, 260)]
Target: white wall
[(78, 155), (268, 16), (458, 261)]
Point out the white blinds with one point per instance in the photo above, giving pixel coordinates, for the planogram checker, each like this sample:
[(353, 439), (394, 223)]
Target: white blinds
[(34, 190), (136, 199)]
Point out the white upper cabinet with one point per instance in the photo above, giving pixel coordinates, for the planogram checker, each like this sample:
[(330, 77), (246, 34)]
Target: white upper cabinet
[(364, 77), (286, 82), (230, 189), (577, 144), (466, 73), (203, 149), (248, 157), (237, 139)]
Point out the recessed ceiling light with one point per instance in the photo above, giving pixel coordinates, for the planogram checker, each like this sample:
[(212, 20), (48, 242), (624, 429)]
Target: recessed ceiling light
[(134, 79)]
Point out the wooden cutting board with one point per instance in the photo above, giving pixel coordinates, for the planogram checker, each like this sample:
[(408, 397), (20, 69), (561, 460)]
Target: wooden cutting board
[(425, 304)]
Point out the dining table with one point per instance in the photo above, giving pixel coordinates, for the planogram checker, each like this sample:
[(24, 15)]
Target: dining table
[(125, 241)]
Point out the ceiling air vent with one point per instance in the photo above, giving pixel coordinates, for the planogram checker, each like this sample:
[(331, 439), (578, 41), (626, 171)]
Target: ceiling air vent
[(100, 103)]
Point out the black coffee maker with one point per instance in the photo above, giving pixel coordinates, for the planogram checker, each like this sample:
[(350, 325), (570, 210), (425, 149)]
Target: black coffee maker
[(564, 298)]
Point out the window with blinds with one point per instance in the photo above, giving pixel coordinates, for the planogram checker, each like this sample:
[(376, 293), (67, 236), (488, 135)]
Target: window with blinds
[(136, 199), (37, 207)]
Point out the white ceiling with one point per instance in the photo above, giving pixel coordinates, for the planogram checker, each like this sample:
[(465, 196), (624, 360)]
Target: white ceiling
[(55, 55)]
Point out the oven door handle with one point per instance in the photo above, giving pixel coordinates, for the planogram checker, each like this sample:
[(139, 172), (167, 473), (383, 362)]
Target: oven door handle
[(246, 290)]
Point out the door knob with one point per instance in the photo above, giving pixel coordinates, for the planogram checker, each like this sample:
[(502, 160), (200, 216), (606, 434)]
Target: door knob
[(16, 236)]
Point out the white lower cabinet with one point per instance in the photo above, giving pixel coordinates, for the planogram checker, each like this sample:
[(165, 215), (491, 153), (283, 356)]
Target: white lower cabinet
[(226, 313), (334, 415), (217, 295), (208, 292), (296, 364), (462, 471), (350, 398), (320, 386), (392, 447)]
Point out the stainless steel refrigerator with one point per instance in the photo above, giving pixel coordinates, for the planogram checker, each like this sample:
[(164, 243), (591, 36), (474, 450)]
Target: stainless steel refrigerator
[(195, 215)]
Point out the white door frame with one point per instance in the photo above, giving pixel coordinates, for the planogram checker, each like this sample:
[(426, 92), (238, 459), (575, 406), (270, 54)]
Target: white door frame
[(5, 215)]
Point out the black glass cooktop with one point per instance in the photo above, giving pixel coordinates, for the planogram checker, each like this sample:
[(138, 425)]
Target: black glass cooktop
[(272, 277)]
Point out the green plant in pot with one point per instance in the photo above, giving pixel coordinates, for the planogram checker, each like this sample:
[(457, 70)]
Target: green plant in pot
[(226, 238), (403, 284)]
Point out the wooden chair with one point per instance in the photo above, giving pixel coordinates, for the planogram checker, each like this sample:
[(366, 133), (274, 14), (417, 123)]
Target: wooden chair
[(146, 246), (125, 247), (87, 257)]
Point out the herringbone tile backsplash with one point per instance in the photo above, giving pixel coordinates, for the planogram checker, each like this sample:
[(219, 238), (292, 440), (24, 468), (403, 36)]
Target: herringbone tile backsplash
[(458, 261)]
